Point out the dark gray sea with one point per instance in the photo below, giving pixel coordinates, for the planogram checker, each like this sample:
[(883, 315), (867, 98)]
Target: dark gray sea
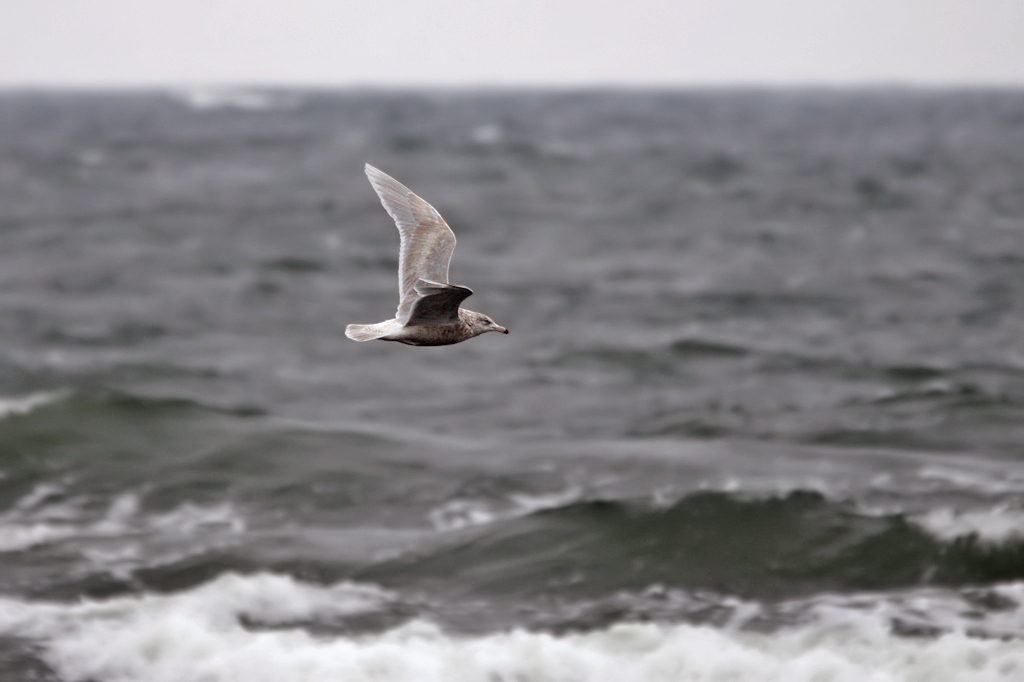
[(760, 415)]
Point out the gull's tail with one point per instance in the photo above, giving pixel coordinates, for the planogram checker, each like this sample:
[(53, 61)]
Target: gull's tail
[(367, 332)]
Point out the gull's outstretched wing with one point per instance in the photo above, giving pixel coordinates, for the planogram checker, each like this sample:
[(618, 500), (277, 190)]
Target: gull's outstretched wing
[(436, 303), (427, 241)]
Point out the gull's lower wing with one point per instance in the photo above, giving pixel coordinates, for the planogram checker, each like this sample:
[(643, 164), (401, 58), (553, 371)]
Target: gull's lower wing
[(436, 303)]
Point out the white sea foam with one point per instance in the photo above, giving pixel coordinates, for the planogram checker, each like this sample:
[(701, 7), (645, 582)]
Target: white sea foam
[(15, 537), (998, 524), (200, 635), (562, 149), (37, 496), (22, 405), (527, 504), (463, 513), (992, 612), (988, 480), (487, 135), (457, 514), (32, 521), (235, 98)]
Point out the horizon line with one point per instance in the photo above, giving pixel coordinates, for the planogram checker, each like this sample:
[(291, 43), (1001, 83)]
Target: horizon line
[(525, 86)]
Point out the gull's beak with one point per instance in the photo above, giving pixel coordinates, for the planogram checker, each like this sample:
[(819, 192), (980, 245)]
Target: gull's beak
[(500, 329)]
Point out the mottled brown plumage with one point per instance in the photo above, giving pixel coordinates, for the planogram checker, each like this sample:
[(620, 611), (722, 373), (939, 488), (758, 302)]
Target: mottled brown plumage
[(428, 308)]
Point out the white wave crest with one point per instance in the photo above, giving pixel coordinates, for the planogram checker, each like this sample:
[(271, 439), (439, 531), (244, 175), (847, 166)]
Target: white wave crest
[(200, 635)]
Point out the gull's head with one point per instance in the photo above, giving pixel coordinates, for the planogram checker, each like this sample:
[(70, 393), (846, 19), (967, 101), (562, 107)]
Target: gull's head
[(480, 323)]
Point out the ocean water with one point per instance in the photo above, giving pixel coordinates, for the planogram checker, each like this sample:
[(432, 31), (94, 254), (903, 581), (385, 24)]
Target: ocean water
[(760, 415)]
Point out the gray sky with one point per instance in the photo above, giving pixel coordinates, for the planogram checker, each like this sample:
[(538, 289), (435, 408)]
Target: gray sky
[(526, 42)]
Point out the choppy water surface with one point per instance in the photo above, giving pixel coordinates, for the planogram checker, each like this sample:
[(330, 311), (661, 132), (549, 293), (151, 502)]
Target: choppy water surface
[(760, 416)]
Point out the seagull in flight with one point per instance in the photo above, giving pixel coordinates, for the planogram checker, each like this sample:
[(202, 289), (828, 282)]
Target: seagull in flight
[(428, 308)]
